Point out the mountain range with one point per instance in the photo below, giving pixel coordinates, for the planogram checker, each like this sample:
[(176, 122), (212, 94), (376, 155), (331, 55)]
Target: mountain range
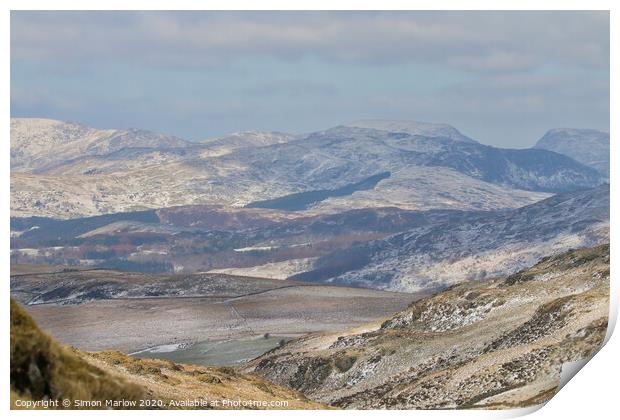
[(66, 170), (394, 205)]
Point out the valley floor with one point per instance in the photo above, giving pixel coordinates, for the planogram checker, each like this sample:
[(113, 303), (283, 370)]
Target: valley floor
[(277, 308)]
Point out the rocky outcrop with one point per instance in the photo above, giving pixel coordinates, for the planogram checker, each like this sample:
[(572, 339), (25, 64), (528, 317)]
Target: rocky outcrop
[(496, 343)]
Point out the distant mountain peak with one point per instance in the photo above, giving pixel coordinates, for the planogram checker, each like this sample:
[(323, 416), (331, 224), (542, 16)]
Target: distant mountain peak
[(576, 131), (251, 135), (241, 139), (587, 146), (415, 128), (37, 143)]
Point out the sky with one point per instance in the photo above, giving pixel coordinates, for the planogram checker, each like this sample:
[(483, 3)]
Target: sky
[(502, 78)]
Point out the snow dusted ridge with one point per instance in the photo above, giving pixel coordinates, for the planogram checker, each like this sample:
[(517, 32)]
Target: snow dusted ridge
[(37, 143), (590, 147), (222, 145), (480, 246), (65, 170), (250, 138), (413, 128)]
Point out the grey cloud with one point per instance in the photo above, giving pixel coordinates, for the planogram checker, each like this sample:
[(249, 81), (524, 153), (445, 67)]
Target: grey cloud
[(473, 41), (502, 77), (291, 88)]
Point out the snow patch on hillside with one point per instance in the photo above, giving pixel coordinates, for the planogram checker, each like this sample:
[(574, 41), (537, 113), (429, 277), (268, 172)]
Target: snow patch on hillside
[(278, 270), (414, 128)]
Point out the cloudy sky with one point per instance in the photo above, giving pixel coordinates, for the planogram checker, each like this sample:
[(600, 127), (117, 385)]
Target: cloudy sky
[(502, 78)]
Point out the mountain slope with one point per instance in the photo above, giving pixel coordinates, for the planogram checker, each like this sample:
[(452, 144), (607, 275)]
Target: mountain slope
[(226, 144), (434, 256), (388, 248), (37, 144), (41, 368), (81, 191), (590, 147), (498, 343), (205, 238)]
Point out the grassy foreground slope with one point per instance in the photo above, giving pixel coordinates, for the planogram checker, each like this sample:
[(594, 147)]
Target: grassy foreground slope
[(43, 369)]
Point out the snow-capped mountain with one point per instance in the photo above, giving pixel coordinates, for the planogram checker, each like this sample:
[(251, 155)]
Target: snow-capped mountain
[(343, 155), (66, 170), (38, 144), (250, 139), (414, 128), (590, 147), (433, 256), (244, 139)]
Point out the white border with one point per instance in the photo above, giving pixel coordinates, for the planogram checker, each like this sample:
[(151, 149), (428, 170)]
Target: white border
[(592, 395)]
